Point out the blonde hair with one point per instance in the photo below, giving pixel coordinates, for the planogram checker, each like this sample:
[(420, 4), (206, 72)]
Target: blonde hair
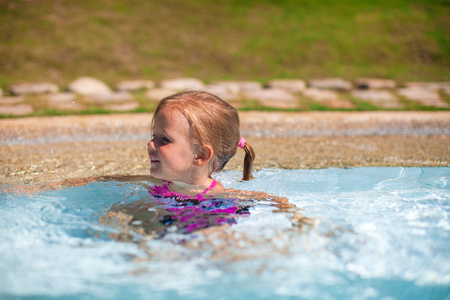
[(213, 122)]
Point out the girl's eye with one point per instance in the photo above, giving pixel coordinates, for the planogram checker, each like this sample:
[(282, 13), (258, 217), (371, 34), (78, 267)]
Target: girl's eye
[(166, 140)]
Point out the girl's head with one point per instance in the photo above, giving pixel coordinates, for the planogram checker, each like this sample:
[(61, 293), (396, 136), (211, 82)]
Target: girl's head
[(212, 124)]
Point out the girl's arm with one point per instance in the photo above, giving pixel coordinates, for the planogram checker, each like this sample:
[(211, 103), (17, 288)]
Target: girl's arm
[(280, 202)]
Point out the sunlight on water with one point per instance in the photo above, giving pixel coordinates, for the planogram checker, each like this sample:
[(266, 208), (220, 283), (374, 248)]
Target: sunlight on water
[(379, 233)]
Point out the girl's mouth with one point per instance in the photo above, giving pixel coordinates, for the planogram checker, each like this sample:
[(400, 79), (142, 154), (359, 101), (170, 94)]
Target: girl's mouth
[(152, 157)]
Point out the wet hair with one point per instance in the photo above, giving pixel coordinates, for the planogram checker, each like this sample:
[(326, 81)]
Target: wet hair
[(213, 122)]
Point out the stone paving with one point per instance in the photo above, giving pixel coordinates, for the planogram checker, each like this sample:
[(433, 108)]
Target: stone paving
[(284, 94)]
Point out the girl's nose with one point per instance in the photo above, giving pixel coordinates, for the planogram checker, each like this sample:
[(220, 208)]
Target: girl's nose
[(151, 144)]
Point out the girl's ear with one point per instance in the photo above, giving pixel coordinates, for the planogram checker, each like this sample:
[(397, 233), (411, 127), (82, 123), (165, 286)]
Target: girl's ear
[(204, 156)]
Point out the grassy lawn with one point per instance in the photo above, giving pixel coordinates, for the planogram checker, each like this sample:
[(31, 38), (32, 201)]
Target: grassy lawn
[(52, 40)]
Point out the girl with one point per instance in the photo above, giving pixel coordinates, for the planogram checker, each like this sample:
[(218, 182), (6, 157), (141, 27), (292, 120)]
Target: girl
[(195, 134)]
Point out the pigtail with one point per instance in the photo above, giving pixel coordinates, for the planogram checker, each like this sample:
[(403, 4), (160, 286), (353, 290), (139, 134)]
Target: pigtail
[(248, 161)]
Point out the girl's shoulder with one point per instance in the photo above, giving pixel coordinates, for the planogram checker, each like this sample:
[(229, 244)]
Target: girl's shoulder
[(218, 187)]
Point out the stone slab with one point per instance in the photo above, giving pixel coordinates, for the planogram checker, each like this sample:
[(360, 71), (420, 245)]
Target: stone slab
[(380, 98), (89, 86), (12, 100), (338, 84), (181, 84), (291, 85), (328, 98), (134, 85), (159, 93), (375, 83), (424, 96), (16, 110), (108, 98), (223, 92), (237, 87), (33, 88), (276, 98), (126, 106), (429, 85), (61, 97)]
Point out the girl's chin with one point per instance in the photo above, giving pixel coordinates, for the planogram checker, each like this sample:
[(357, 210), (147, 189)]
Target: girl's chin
[(155, 174)]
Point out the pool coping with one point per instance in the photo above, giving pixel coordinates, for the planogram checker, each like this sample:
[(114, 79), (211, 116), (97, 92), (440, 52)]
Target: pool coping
[(42, 149)]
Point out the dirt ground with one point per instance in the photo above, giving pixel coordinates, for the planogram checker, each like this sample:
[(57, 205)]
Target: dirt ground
[(36, 150)]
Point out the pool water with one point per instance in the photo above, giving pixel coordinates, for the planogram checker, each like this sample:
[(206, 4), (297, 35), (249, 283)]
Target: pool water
[(379, 233)]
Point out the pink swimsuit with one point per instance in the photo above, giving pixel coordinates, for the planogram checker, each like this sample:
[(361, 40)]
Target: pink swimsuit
[(196, 212), (164, 192)]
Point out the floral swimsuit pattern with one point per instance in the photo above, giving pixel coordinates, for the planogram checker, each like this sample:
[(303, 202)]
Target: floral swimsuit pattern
[(195, 212)]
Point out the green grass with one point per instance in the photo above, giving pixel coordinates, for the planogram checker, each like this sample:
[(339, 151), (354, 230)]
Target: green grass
[(50, 40)]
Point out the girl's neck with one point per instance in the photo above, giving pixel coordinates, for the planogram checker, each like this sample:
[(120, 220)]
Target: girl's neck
[(209, 183), (205, 183)]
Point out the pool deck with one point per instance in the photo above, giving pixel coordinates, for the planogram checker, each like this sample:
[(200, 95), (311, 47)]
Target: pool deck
[(42, 149)]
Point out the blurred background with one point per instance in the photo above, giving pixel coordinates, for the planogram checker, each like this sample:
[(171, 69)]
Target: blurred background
[(113, 40)]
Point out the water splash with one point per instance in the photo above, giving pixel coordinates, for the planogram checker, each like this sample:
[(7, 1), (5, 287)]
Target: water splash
[(381, 233)]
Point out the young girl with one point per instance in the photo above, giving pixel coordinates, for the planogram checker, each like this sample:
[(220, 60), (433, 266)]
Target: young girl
[(195, 134)]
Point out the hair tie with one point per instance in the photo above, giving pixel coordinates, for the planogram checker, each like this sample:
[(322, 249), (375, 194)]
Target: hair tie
[(241, 143)]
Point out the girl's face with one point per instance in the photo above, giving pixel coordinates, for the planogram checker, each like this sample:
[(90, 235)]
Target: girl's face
[(170, 151)]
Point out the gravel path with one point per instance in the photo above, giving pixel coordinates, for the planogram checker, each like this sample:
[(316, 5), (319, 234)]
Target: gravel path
[(34, 150)]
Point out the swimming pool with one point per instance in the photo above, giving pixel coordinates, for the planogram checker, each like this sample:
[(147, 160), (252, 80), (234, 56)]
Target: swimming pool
[(380, 233)]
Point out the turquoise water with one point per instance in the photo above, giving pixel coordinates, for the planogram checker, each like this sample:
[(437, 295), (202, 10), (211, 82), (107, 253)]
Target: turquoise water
[(380, 233)]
